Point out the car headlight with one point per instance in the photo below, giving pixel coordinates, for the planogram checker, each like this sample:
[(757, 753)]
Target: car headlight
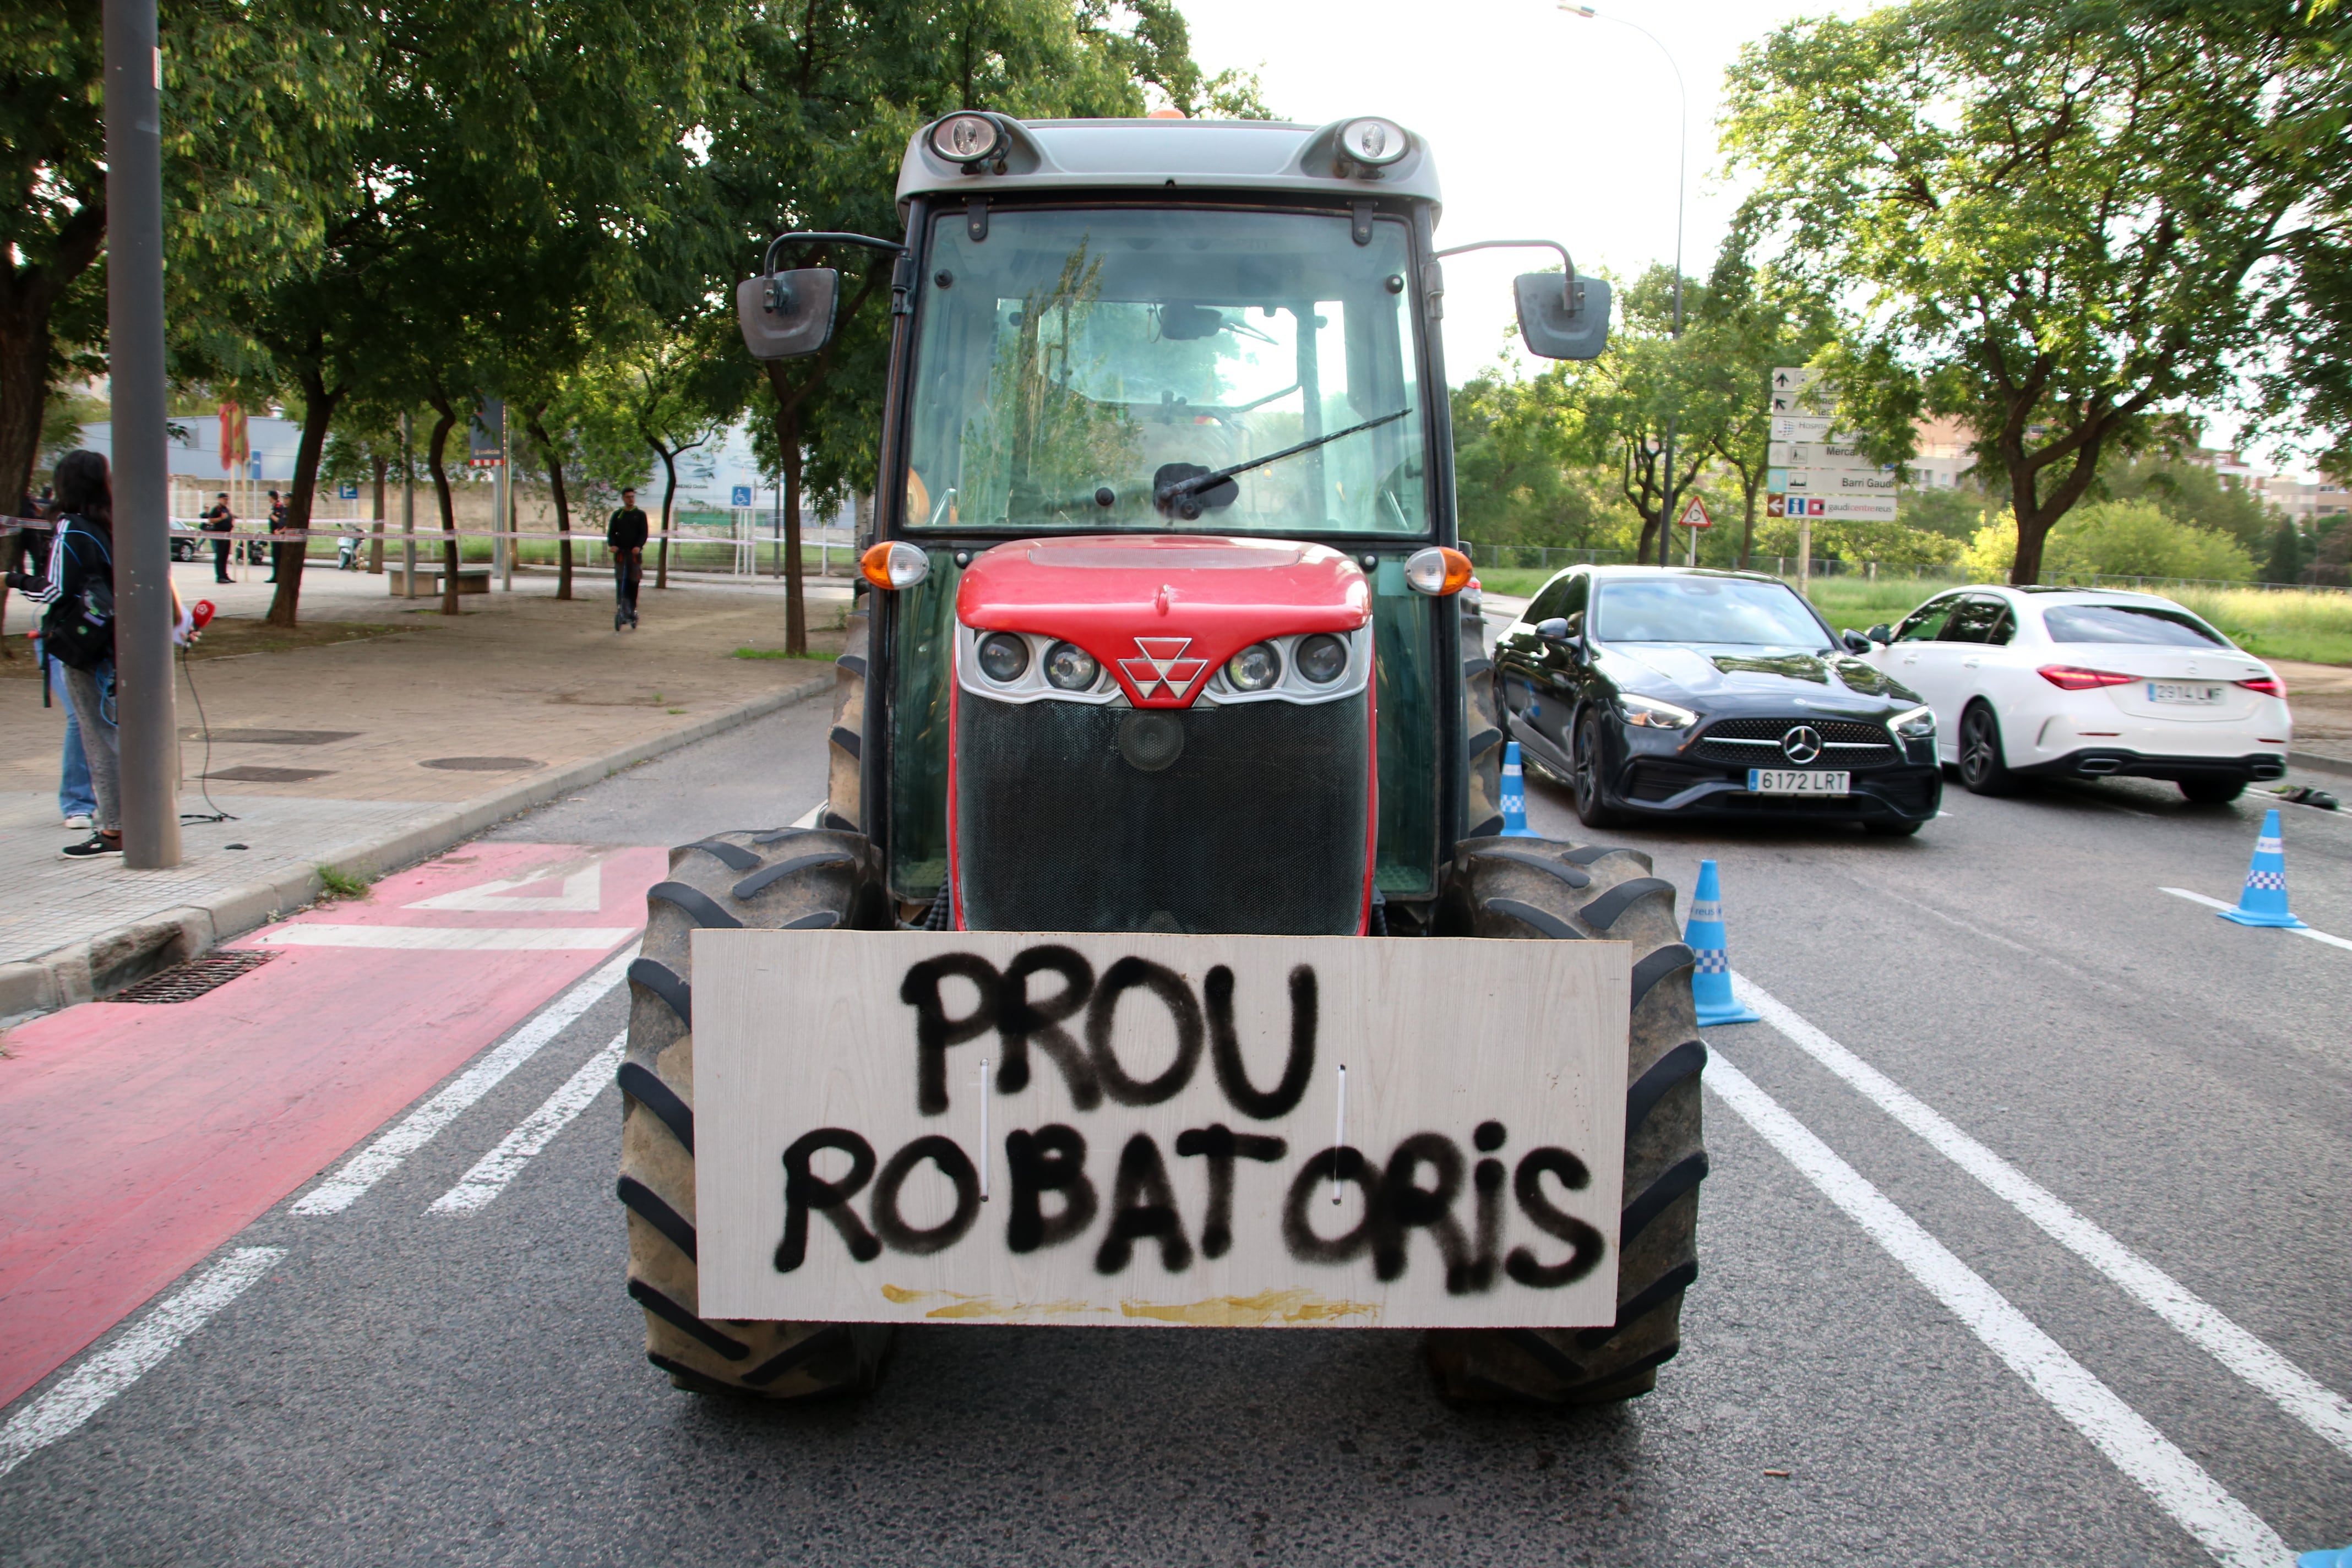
[(1322, 658), (1002, 657), (1070, 668), (1254, 669), (1649, 713), (1920, 725)]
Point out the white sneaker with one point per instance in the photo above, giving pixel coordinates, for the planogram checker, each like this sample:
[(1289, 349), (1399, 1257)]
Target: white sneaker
[(79, 819)]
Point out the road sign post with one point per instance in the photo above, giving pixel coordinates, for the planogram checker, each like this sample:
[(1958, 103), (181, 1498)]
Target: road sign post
[(1813, 470), (1693, 519)]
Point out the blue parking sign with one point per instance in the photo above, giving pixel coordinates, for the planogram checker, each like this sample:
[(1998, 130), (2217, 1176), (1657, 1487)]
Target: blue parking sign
[(742, 495), (348, 491)]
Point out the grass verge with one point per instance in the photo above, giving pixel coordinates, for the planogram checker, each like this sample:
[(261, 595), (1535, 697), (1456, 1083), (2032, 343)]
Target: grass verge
[(817, 654), (341, 884)]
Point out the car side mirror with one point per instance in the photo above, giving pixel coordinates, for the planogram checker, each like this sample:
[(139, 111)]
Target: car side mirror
[(1855, 642), (1558, 628), (1562, 320), (788, 315), (1881, 634)]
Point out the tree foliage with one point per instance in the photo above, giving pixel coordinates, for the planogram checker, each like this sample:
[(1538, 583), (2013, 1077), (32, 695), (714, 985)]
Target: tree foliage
[(2066, 222)]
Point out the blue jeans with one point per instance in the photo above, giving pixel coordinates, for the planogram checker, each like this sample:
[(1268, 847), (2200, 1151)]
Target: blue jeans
[(75, 797)]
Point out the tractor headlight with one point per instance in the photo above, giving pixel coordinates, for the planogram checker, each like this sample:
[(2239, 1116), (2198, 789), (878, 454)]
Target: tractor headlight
[(1373, 141), (1649, 713), (1920, 725), (1322, 658), (1002, 657), (968, 139), (1254, 669), (1070, 668)]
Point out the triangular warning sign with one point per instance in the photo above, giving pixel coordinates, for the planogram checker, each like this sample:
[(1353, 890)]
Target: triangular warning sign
[(1695, 515)]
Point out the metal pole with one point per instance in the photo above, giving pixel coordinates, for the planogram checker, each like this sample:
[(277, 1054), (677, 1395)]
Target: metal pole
[(146, 729), (505, 525), (407, 511)]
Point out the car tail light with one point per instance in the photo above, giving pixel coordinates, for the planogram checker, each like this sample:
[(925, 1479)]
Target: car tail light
[(2268, 685), (2073, 677)]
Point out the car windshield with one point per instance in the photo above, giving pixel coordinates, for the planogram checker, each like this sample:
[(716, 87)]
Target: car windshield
[(1076, 364), (1706, 610), (2148, 624)]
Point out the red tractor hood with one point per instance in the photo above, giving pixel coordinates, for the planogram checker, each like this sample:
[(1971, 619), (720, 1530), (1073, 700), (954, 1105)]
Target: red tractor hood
[(1161, 611)]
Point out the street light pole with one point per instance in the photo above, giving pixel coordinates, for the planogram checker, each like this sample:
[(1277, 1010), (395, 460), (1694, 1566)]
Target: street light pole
[(1682, 161), (146, 731)]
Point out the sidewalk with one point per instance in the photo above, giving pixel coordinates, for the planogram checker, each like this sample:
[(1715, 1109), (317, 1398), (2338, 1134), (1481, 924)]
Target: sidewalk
[(371, 753)]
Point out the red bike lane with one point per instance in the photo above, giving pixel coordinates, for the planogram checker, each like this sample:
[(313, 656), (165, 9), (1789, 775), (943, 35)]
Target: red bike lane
[(141, 1137)]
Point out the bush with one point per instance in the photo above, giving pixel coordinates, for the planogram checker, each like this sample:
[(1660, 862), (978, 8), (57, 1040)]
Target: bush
[(2132, 538)]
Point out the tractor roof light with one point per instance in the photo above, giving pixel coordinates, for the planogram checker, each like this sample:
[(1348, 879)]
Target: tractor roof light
[(968, 139), (894, 564), (1374, 143), (1437, 571)]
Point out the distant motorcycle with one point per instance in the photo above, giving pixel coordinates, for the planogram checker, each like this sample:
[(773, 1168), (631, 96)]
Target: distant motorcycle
[(346, 551)]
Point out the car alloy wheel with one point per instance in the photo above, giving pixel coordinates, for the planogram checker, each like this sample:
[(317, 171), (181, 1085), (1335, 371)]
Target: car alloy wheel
[(1589, 806), (1982, 767)]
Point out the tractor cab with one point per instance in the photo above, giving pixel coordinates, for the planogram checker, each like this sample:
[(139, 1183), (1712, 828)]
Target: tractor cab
[(1161, 634)]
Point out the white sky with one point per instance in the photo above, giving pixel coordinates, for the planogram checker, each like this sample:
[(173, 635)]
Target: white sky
[(1545, 125)]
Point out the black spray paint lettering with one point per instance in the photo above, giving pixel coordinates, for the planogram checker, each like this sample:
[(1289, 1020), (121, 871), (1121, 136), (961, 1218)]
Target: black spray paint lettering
[(1588, 1243), (1221, 1145), (805, 1193), (956, 1166), (1092, 1069), (1486, 1184), (1051, 1159), (1143, 1208)]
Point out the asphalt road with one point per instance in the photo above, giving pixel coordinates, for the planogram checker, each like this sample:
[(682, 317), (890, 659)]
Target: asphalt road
[(404, 1385)]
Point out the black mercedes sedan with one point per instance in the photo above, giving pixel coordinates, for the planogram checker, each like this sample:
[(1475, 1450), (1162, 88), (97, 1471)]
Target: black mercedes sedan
[(1653, 691)]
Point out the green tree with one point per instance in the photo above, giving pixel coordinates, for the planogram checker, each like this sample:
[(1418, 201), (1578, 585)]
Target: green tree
[(2193, 494), (2286, 556), (1520, 470), (2063, 222)]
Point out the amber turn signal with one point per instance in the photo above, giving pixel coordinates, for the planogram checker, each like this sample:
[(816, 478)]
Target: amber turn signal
[(894, 564), (1437, 571)]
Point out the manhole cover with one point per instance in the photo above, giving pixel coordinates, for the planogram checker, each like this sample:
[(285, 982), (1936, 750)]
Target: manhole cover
[(250, 774), (477, 764), (186, 982), (272, 737)]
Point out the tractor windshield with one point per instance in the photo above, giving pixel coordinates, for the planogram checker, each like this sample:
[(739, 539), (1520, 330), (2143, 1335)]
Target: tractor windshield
[(1077, 366)]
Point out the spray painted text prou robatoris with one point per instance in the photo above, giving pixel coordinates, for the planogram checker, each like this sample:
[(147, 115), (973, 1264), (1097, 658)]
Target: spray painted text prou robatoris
[(1156, 1130)]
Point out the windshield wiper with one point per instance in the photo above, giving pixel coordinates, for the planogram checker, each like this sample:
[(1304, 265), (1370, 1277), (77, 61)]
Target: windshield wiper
[(1174, 490)]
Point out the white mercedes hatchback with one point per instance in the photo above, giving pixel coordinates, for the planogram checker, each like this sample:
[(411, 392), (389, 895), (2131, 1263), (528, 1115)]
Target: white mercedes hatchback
[(2086, 683)]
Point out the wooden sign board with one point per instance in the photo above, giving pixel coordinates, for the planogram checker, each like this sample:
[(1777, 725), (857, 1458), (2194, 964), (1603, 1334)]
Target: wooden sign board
[(1159, 1130)]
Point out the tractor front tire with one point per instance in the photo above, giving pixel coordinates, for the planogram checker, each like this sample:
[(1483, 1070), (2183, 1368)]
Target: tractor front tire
[(792, 879), (1533, 889)]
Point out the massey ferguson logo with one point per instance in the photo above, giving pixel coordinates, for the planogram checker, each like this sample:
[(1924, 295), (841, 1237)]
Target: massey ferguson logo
[(1163, 667)]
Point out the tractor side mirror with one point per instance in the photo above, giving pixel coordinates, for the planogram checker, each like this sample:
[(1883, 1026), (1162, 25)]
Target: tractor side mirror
[(1550, 328), (1880, 633), (788, 315), (1855, 642)]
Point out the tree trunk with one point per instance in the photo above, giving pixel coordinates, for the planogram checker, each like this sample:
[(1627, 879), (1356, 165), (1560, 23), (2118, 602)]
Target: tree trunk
[(288, 557), (554, 459), (2037, 513), (444, 420), (795, 610), (670, 495), (375, 547)]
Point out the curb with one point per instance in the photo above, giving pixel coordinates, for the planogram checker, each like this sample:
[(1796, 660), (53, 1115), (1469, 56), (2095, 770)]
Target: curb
[(82, 971), (2318, 763)]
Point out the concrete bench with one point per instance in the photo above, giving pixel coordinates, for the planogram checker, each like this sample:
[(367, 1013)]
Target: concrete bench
[(470, 579)]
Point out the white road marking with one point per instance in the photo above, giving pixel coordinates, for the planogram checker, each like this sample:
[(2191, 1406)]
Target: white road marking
[(85, 1391), (2218, 904), (453, 938), (502, 1165), (2294, 1391), (2174, 1481), (584, 892), (384, 1156)]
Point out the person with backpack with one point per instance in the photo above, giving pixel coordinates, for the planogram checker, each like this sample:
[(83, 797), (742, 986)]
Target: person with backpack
[(78, 631)]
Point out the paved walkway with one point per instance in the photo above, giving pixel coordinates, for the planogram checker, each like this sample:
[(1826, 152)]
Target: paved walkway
[(368, 755)]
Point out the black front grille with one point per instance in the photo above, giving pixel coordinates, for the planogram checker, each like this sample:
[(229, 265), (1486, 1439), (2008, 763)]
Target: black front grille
[(1848, 743), (1256, 824)]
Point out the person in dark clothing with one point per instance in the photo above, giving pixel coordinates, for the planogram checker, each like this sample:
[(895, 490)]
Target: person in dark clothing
[(82, 557), (277, 525), (220, 520), (625, 536)]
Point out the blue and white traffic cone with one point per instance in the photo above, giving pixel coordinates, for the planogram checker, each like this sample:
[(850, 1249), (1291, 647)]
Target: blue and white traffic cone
[(2264, 903), (1711, 975), (1515, 794)]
